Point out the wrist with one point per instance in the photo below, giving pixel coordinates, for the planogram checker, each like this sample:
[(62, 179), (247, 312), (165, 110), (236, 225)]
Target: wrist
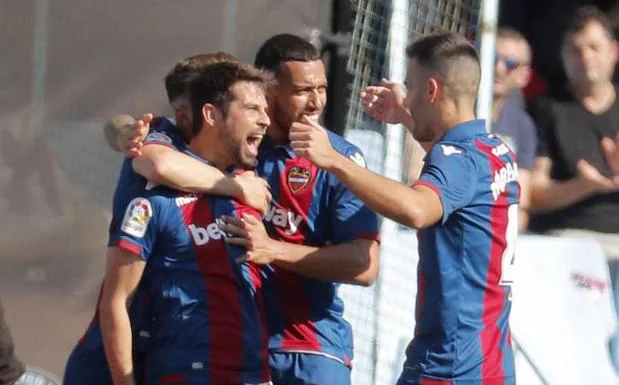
[(336, 162), (230, 186), (277, 250)]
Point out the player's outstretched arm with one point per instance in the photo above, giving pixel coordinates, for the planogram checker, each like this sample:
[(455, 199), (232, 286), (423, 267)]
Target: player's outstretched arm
[(354, 262), (164, 165), (123, 272), (416, 207)]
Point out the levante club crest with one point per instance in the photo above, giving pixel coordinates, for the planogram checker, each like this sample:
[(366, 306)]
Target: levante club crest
[(298, 178)]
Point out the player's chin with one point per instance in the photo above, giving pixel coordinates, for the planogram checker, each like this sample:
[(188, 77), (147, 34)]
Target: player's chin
[(248, 160)]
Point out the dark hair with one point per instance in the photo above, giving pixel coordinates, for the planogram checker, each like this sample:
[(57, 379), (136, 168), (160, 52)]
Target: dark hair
[(439, 50), (212, 85), (451, 56), (177, 80), (585, 15), (282, 48)]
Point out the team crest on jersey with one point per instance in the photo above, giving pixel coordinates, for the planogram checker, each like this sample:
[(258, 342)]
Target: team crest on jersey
[(137, 216), (298, 178)]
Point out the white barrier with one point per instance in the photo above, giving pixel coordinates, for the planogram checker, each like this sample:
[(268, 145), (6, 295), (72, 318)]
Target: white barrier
[(562, 315)]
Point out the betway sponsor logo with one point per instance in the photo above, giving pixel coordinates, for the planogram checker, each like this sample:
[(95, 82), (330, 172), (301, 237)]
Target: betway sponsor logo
[(184, 200), (285, 219), (202, 235), (507, 174)]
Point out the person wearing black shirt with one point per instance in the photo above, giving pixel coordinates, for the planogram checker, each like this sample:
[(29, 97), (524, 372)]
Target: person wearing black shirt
[(575, 179)]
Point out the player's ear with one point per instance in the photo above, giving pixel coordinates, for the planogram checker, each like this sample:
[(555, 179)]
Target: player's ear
[(433, 88), (210, 114)]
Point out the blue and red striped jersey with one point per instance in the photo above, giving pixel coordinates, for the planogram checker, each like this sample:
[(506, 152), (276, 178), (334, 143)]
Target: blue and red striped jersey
[(207, 308), (310, 206), (130, 183), (462, 331)]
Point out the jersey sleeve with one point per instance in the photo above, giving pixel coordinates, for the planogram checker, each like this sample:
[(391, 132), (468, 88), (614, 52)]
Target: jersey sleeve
[(163, 132), (351, 219), (137, 217), (451, 172)]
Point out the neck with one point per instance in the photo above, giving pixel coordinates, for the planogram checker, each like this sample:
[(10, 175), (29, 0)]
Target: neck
[(207, 149), (455, 114), (277, 134)]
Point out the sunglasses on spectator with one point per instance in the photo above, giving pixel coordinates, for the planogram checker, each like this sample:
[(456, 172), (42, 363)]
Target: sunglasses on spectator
[(510, 63)]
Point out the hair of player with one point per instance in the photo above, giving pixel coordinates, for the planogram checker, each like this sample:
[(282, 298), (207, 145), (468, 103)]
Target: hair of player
[(453, 58), (585, 15), (177, 80), (282, 48), (213, 85)]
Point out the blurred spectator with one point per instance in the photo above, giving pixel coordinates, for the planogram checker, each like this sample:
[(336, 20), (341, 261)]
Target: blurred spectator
[(510, 121), (575, 180), (543, 24), (10, 367)]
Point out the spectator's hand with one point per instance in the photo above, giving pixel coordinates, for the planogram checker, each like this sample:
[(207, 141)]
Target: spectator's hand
[(595, 181), (610, 147), (253, 191), (386, 102), (130, 138), (309, 140), (249, 232), (592, 176)]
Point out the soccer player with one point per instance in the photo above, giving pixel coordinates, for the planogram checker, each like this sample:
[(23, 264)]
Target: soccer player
[(151, 161), (465, 206), (86, 363), (326, 235), (208, 325)]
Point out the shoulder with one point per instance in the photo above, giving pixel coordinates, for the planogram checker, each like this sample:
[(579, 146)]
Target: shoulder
[(164, 131), (346, 148)]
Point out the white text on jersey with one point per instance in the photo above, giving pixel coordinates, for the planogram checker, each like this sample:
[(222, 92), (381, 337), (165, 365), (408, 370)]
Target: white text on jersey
[(183, 200), (507, 173), (201, 235), (284, 219)]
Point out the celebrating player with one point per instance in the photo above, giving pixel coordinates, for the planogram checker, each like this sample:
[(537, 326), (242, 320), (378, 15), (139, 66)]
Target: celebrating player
[(87, 363), (465, 205), (208, 326)]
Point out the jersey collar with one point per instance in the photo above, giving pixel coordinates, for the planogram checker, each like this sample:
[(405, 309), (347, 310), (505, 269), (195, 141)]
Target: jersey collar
[(268, 145)]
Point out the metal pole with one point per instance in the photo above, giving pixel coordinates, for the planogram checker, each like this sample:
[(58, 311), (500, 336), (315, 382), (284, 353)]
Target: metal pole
[(39, 66), (394, 146), (228, 40), (490, 10)]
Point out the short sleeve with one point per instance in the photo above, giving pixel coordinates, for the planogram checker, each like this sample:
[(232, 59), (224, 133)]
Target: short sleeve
[(451, 172), (163, 132), (135, 222), (351, 219)]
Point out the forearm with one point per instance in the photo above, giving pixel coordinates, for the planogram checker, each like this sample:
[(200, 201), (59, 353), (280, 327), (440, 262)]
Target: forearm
[(117, 340), (382, 195), (353, 263), (554, 195), (184, 173)]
